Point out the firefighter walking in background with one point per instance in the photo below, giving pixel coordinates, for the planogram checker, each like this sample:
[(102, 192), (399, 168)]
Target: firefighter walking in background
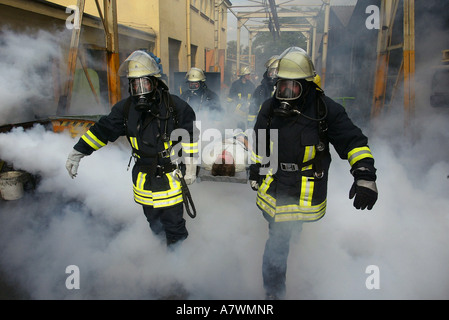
[(295, 191), (239, 98), (264, 90), (148, 118), (198, 95)]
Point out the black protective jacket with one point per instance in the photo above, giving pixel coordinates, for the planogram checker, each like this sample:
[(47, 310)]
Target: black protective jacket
[(154, 183), (202, 99), (295, 187), (263, 92)]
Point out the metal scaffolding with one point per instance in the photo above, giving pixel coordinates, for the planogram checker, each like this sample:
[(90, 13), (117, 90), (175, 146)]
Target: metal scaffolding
[(266, 16), (110, 25), (388, 13)]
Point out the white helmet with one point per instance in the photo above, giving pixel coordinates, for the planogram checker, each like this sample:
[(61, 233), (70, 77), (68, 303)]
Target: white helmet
[(295, 63), (139, 64), (195, 74), (272, 62), (272, 65), (245, 71)]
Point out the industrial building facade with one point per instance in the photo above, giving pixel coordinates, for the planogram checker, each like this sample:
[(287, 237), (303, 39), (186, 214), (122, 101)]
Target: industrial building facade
[(183, 33)]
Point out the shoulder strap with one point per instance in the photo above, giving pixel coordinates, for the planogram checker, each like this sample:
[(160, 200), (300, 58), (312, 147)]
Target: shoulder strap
[(321, 111), (126, 114)]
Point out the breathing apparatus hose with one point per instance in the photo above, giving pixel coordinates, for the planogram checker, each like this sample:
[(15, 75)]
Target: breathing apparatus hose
[(186, 196)]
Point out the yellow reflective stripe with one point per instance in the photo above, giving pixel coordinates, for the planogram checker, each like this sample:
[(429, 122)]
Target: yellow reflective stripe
[(357, 154), (141, 178), (168, 202), (265, 207), (157, 199), (175, 187), (229, 99), (190, 147), (255, 157), (309, 154), (251, 117), (307, 186), (293, 212), (92, 140), (301, 211), (240, 96), (167, 146), (157, 203), (157, 195), (262, 193), (133, 141), (144, 201), (174, 183)]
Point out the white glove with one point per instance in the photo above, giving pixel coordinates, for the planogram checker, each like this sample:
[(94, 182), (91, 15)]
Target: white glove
[(73, 162), (190, 175), (254, 185)]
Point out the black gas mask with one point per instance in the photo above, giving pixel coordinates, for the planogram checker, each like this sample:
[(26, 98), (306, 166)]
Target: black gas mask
[(143, 90), (194, 85), (288, 92)]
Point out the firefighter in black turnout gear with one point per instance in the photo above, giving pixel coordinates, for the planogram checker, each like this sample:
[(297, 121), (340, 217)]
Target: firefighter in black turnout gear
[(148, 118), (265, 89), (295, 191), (198, 95), (239, 98)]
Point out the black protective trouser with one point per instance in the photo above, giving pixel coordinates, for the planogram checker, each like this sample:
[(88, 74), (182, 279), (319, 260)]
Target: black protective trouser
[(168, 220), (274, 265)]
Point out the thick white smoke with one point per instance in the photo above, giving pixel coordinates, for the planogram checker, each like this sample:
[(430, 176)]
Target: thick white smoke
[(26, 62), (92, 222)]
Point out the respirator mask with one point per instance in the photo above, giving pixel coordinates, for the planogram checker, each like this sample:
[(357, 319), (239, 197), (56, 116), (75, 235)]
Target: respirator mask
[(194, 86), (288, 91), (143, 90)]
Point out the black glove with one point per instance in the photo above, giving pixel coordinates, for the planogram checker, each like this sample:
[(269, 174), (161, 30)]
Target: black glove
[(364, 187), (365, 193)]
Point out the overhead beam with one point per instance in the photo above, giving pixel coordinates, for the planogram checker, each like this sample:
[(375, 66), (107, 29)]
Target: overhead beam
[(283, 29), (299, 14)]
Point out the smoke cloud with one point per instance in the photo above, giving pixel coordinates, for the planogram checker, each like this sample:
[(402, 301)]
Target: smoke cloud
[(25, 79)]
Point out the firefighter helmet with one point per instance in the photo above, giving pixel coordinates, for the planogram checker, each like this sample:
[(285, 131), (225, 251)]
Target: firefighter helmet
[(272, 66), (139, 64), (295, 63), (245, 71), (272, 62), (195, 74)]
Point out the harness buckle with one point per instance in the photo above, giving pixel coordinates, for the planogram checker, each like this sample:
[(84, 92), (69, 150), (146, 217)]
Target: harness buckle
[(165, 153), (289, 167)]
